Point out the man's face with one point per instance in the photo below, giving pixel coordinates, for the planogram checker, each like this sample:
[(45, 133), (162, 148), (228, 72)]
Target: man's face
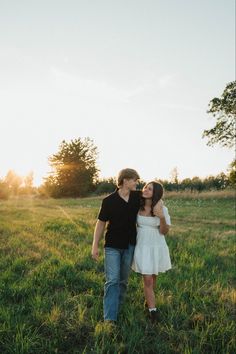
[(131, 184)]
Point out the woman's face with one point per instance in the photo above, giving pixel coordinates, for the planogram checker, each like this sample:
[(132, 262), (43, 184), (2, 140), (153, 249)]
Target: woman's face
[(147, 191)]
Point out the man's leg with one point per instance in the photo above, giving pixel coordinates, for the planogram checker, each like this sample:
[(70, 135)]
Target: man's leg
[(111, 288), (126, 262)]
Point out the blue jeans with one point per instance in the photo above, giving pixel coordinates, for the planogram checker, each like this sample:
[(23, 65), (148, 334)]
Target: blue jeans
[(117, 268)]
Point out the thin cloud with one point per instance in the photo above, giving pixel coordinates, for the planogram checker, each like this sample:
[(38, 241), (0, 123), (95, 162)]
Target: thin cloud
[(167, 81), (101, 90), (87, 88), (181, 107)]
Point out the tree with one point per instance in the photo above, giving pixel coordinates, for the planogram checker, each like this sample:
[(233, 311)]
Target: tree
[(4, 190), (49, 187), (232, 173), (174, 174), (73, 169), (13, 181), (186, 183), (28, 182), (197, 184), (209, 183), (224, 109), (174, 179)]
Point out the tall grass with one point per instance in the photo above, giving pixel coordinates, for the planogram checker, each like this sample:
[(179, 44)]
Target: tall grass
[(51, 290)]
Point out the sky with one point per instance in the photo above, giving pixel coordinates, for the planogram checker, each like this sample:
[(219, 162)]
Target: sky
[(135, 76)]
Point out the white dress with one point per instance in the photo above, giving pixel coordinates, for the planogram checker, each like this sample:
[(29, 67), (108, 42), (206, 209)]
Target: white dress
[(151, 254)]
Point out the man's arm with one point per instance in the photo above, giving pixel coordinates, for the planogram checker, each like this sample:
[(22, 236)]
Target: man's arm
[(98, 232)]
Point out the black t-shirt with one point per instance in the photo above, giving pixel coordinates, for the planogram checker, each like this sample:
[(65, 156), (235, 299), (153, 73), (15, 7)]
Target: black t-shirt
[(121, 218)]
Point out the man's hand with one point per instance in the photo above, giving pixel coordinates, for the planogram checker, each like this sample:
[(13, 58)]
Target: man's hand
[(95, 252), (98, 232), (158, 209)]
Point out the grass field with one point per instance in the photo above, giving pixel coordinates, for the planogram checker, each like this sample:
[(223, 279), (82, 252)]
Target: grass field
[(51, 290)]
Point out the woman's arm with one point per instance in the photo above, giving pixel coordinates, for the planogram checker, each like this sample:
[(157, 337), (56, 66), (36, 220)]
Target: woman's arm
[(164, 228), (158, 211)]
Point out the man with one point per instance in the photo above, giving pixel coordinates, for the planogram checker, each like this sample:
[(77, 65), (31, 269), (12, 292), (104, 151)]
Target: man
[(118, 211)]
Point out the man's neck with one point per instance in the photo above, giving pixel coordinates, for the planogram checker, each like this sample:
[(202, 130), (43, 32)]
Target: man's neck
[(124, 192)]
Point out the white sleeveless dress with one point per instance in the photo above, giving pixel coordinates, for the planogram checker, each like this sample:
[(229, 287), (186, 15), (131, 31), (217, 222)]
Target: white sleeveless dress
[(151, 255)]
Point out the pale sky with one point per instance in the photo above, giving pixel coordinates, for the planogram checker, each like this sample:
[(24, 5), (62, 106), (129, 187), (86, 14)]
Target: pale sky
[(136, 76)]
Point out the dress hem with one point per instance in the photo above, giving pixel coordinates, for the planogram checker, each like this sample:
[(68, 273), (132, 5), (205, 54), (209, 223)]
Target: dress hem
[(160, 271)]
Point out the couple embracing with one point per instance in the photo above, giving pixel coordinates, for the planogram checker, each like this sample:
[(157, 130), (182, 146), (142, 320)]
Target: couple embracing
[(135, 222)]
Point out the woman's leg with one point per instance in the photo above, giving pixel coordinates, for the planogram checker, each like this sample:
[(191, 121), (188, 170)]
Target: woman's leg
[(154, 278), (149, 290)]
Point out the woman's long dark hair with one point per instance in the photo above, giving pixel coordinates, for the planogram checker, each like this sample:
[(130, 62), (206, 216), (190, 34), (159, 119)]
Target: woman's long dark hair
[(157, 195)]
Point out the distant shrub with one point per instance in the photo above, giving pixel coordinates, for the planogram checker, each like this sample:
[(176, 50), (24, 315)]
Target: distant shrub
[(4, 191), (108, 185), (105, 186)]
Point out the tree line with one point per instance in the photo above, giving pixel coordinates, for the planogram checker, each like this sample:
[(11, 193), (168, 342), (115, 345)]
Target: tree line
[(66, 186), (74, 171), (15, 185), (195, 184)]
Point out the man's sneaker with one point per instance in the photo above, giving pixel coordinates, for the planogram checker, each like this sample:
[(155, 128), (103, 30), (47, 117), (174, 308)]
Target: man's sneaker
[(153, 316)]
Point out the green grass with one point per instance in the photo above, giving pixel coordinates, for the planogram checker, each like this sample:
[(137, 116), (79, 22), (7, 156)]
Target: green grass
[(51, 290)]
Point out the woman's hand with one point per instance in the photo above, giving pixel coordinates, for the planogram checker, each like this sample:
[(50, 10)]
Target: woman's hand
[(158, 209)]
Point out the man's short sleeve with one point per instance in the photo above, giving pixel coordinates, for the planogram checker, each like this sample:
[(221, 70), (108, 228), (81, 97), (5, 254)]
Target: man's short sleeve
[(103, 214)]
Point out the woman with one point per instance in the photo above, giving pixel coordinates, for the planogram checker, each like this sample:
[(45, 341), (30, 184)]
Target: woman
[(151, 254)]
